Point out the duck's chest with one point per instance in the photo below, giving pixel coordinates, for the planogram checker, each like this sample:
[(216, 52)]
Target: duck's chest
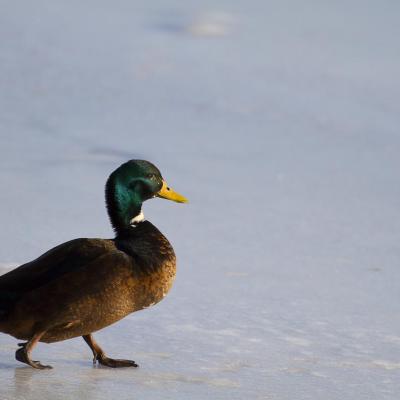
[(153, 267), (132, 290), (154, 286)]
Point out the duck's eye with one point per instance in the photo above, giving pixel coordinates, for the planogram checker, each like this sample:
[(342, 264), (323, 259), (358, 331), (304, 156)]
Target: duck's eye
[(151, 176)]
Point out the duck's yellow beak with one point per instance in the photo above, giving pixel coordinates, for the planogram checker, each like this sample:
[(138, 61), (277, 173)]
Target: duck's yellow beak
[(167, 193)]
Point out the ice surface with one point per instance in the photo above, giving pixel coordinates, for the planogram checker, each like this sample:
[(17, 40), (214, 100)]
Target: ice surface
[(280, 122)]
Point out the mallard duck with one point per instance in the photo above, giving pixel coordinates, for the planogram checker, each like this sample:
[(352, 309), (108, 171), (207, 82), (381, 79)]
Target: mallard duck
[(84, 285)]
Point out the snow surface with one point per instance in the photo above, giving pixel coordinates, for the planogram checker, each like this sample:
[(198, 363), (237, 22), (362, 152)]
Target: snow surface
[(280, 122)]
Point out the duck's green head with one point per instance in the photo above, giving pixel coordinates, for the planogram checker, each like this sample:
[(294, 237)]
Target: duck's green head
[(129, 186)]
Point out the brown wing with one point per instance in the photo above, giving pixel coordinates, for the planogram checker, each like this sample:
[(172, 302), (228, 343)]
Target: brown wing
[(52, 265)]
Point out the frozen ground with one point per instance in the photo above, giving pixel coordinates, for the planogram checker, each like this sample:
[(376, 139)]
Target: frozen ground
[(280, 122)]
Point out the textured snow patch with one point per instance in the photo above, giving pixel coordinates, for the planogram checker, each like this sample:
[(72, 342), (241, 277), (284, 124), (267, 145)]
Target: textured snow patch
[(212, 24), (392, 339), (236, 274), (298, 341), (235, 366), (388, 365), (223, 382), (170, 377), (159, 355), (198, 329)]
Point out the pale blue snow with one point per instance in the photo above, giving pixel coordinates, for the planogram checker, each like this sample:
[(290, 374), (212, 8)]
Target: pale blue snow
[(280, 122)]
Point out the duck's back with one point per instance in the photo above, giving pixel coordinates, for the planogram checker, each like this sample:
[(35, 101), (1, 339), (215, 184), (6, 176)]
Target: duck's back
[(62, 259)]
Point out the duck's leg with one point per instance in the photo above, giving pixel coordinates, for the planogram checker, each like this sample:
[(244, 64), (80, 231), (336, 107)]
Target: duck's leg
[(24, 353), (98, 355)]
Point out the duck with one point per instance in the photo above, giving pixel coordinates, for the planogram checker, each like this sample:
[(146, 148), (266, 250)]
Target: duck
[(86, 284)]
